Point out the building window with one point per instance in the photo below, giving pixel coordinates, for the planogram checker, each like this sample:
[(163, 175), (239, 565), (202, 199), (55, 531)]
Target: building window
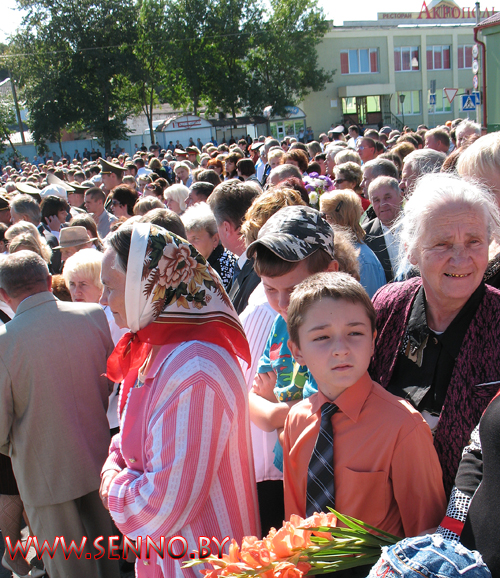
[(438, 58), (464, 56), (359, 61), (442, 103), (411, 104), (406, 58)]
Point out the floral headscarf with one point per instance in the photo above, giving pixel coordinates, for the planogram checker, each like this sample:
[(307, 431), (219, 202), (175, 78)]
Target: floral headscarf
[(171, 295)]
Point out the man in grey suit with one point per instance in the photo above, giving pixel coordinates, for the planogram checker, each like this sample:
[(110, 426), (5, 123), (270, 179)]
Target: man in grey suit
[(53, 401), (383, 240)]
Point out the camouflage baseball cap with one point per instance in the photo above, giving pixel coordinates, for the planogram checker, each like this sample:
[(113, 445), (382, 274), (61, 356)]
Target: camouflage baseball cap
[(294, 233)]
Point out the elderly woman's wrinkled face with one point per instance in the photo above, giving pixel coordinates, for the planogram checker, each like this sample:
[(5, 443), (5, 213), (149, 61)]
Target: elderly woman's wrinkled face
[(203, 241), (113, 293), (453, 253), (83, 290)]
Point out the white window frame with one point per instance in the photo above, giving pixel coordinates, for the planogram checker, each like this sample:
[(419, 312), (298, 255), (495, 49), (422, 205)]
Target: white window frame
[(411, 49), (408, 111), (370, 52), (434, 48), (462, 47)]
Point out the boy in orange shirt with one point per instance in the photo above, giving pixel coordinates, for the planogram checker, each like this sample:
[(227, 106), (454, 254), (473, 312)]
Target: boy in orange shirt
[(383, 468)]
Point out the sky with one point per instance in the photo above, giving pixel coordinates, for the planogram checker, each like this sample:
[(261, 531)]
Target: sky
[(334, 10)]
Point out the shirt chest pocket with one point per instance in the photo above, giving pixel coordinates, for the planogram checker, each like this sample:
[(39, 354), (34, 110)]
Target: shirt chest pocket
[(363, 495)]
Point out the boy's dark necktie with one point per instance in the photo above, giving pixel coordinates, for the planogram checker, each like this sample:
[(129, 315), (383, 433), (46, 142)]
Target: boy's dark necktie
[(320, 483), (236, 271)]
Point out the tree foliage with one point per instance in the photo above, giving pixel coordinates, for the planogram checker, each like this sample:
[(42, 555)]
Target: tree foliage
[(7, 119), (74, 55), (93, 64), (283, 64)]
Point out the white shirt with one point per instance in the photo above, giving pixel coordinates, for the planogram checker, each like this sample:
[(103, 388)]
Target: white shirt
[(352, 142), (143, 171), (116, 333), (393, 243), (259, 169), (257, 320)]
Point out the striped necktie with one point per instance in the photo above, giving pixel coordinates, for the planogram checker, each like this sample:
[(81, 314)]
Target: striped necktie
[(320, 483)]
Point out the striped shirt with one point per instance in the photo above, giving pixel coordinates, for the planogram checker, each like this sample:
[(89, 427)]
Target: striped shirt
[(198, 477), (257, 320)]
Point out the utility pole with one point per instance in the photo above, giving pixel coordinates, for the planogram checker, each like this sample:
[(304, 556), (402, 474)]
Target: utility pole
[(18, 112)]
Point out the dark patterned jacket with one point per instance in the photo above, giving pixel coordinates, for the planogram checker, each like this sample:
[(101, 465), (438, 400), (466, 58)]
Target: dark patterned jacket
[(475, 377)]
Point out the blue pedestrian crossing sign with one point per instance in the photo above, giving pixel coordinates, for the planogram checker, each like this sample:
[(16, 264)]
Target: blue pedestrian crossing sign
[(432, 99), (468, 102)]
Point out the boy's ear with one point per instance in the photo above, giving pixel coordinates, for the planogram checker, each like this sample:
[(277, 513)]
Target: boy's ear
[(333, 267), (295, 350)]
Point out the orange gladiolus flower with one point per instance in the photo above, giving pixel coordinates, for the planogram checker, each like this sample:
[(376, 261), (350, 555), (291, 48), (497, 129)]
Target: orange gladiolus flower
[(289, 570)]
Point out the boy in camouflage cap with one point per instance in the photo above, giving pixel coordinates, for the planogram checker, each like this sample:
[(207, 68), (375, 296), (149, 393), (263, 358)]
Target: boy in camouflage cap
[(295, 243)]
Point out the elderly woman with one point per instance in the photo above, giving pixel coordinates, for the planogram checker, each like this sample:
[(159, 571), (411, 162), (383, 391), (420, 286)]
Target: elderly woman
[(24, 235), (343, 209), (349, 176), (175, 198), (438, 336), (201, 232), (183, 453), (82, 275)]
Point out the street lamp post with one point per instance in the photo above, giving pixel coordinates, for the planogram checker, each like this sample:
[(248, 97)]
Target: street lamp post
[(402, 101)]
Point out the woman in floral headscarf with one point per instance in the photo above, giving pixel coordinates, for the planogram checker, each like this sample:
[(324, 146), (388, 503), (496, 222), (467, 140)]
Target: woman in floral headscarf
[(182, 464)]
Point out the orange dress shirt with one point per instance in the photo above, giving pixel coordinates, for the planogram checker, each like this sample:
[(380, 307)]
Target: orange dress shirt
[(385, 466)]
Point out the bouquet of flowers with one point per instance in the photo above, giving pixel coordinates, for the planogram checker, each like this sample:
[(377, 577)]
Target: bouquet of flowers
[(302, 548), (316, 185)]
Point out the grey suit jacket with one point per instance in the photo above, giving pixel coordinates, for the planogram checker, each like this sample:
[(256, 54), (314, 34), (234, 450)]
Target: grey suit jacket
[(376, 241), (53, 397)]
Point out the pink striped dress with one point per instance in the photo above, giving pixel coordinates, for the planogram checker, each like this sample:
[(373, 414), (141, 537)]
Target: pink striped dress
[(185, 460)]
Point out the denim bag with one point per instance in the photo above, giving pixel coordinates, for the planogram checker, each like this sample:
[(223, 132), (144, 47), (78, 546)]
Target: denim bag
[(429, 556)]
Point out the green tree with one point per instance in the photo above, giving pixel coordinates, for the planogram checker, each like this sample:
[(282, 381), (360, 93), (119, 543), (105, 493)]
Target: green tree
[(283, 64), (190, 48), (7, 119), (84, 49), (233, 26), (156, 78)]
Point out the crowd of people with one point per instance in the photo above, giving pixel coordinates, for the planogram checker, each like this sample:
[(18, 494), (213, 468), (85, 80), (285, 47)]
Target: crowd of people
[(207, 341)]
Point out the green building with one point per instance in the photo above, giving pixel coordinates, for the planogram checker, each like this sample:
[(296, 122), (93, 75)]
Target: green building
[(489, 33), (387, 70)]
